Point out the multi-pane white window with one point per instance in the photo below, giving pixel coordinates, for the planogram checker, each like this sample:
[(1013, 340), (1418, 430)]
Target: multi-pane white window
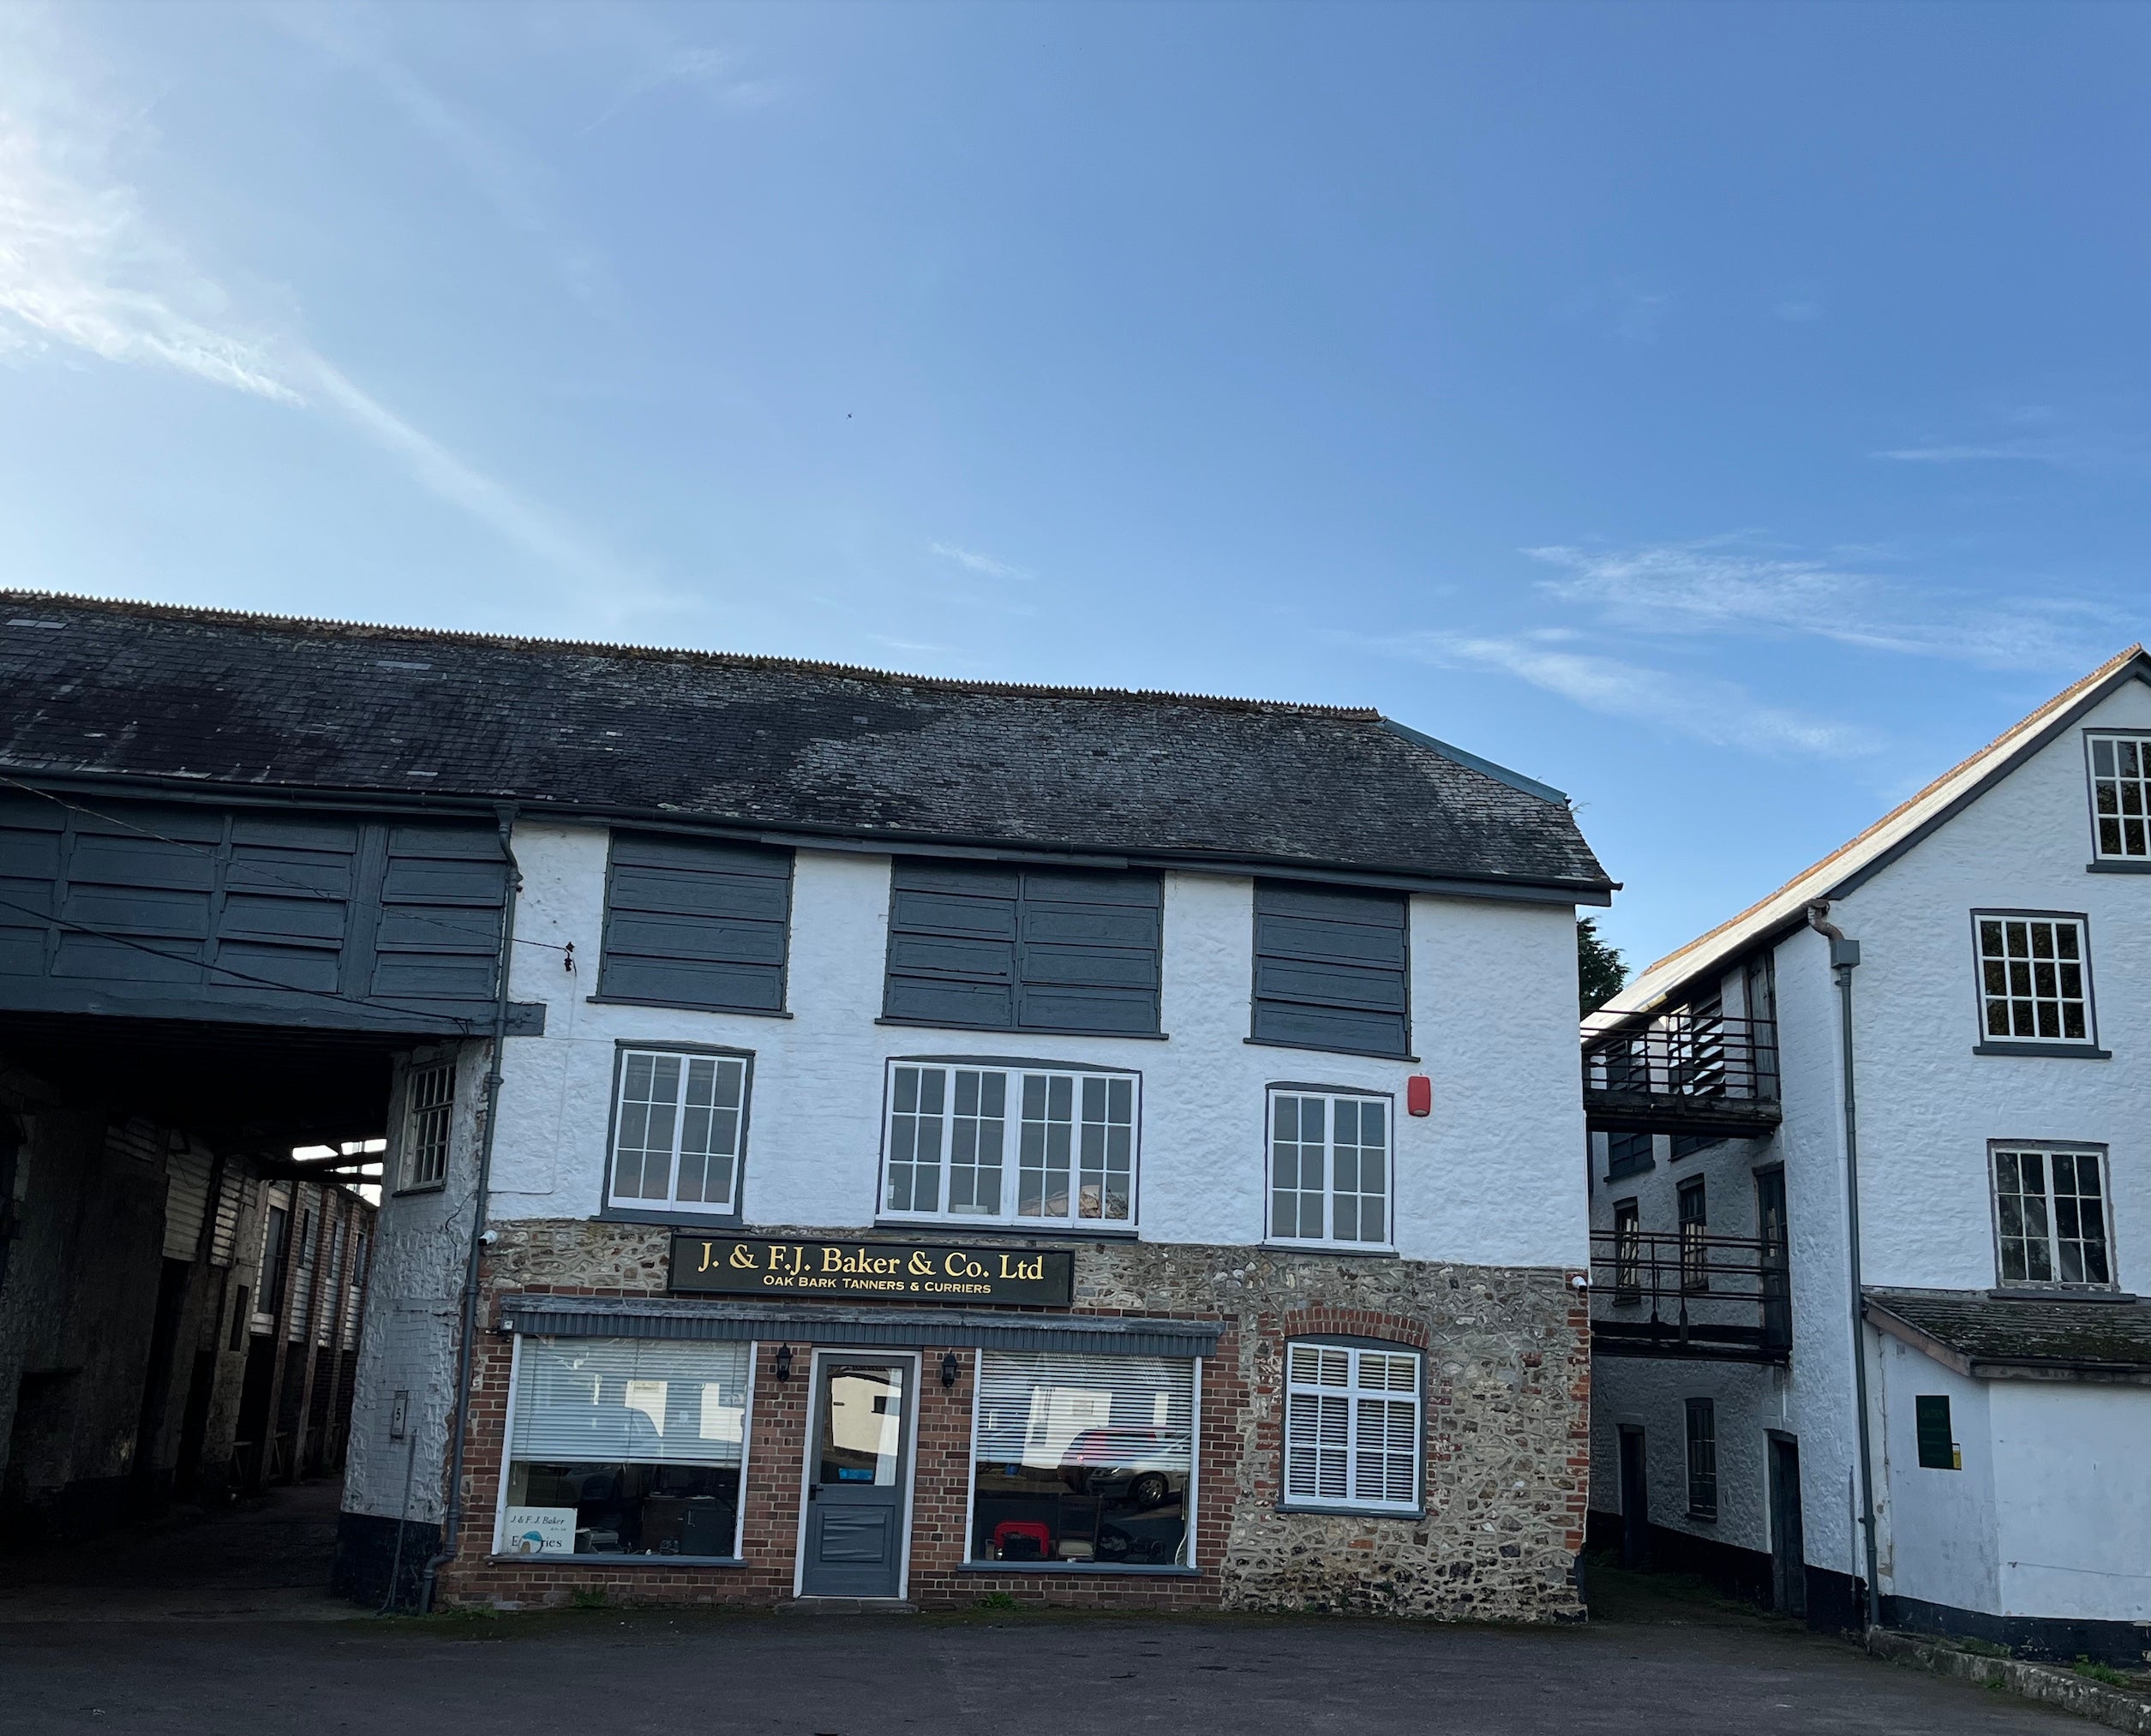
[(2033, 985), (2050, 1216), (1329, 1168), (2121, 796), (1352, 1428), (426, 1127), (1013, 1144), (678, 1129)]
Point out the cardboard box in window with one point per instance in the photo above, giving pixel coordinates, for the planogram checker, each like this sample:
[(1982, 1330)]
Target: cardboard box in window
[(685, 1525)]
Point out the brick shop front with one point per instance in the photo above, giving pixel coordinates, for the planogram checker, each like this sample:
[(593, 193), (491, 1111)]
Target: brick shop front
[(933, 1423)]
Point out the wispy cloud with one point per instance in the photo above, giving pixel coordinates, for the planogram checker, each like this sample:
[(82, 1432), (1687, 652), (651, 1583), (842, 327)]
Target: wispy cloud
[(84, 269), (505, 175), (1717, 587), (713, 72), (979, 563), (1721, 713)]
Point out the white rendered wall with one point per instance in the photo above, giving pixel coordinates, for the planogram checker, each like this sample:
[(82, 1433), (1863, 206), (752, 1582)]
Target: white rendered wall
[(1928, 1107), (412, 1302), (1488, 1178), (2074, 1512)]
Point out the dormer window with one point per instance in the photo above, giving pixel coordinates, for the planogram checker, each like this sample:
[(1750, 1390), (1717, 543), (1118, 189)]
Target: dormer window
[(2121, 797)]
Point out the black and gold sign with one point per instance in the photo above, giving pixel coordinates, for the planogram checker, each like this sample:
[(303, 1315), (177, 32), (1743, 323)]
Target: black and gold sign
[(872, 1271)]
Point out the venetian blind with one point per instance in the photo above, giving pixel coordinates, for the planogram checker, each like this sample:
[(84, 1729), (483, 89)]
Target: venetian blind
[(1047, 1409), (630, 1401)]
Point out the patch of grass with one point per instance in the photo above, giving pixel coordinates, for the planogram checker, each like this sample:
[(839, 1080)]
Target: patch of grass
[(1984, 1649), (2102, 1673), (997, 1600), (588, 1600)]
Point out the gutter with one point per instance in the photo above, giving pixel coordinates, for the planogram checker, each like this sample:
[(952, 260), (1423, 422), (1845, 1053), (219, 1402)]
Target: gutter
[(452, 1520), (1844, 957)]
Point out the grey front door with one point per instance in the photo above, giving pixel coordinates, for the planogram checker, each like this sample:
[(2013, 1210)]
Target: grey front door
[(855, 1478)]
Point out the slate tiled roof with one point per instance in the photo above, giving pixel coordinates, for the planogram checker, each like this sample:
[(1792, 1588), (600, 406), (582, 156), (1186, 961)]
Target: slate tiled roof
[(142, 690), (2054, 1334)]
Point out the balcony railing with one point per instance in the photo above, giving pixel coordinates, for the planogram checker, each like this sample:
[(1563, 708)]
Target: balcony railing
[(1680, 1293), (1684, 1073)]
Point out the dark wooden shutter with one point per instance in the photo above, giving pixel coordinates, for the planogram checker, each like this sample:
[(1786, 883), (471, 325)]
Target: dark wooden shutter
[(691, 923), (1016, 949), (1936, 1447), (1329, 968)]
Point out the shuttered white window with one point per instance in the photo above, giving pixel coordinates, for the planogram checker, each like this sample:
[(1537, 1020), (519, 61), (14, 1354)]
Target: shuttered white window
[(630, 1401), (1352, 1428), (1085, 1460)]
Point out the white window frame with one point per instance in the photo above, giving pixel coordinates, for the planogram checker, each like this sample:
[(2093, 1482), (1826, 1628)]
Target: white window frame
[(2094, 740), (1012, 1121), (670, 1204), (1307, 1427), (1330, 1096), (425, 1160), (2057, 920), (2047, 1151)]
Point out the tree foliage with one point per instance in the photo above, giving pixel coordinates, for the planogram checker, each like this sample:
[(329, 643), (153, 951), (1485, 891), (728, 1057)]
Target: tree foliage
[(1599, 970)]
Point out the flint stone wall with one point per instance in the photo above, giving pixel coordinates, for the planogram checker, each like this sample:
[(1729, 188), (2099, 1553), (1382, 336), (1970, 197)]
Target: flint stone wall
[(1506, 1448)]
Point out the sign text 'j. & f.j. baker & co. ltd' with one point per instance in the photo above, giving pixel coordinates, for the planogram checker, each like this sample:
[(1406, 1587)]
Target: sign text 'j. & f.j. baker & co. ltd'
[(881, 1271)]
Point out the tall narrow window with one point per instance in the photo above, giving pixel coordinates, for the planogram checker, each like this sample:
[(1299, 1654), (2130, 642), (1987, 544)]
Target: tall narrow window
[(951, 1152), (2050, 1216), (1936, 1439), (679, 1130), (1329, 1168), (1352, 1428), (2034, 985), (2121, 796), (426, 1128), (1695, 1223), (1627, 1251), (1703, 1458)]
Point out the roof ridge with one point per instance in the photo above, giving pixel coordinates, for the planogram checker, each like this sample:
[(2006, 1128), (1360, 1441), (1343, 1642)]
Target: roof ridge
[(2060, 700), (742, 659)]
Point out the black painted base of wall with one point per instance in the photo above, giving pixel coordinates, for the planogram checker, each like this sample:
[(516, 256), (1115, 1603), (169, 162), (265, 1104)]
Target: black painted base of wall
[(366, 1553), (2060, 1639), (1835, 1601)]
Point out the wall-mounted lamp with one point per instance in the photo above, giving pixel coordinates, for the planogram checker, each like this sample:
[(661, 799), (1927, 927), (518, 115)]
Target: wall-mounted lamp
[(782, 1368), (950, 1369)]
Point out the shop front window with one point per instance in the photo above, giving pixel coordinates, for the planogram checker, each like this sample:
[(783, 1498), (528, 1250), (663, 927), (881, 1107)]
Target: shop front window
[(626, 1446), (1083, 1460)]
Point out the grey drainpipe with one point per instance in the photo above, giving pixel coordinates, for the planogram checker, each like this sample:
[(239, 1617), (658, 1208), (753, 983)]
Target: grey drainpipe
[(452, 1520), (1844, 955)]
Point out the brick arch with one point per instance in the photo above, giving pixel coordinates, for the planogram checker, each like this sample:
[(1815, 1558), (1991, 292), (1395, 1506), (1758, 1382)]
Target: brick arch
[(1351, 1323)]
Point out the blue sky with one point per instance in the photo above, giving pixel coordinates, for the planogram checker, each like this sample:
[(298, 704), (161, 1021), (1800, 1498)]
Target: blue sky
[(1730, 414)]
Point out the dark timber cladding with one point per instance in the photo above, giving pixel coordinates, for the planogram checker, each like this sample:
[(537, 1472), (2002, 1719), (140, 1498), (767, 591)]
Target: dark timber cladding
[(1008, 950), (695, 923), (109, 906), (1329, 968)]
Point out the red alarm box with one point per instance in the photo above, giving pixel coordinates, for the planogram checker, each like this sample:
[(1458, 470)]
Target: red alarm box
[(1419, 1094)]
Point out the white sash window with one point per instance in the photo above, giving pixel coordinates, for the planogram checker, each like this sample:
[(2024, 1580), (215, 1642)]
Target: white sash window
[(1011, 1144)]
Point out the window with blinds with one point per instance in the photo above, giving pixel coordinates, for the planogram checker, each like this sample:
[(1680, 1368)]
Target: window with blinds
[(1330, 968), (1083, 1459), (693, 923), (1351, 1429), (678, 1130), (1012, 1145), (626, 1446)]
